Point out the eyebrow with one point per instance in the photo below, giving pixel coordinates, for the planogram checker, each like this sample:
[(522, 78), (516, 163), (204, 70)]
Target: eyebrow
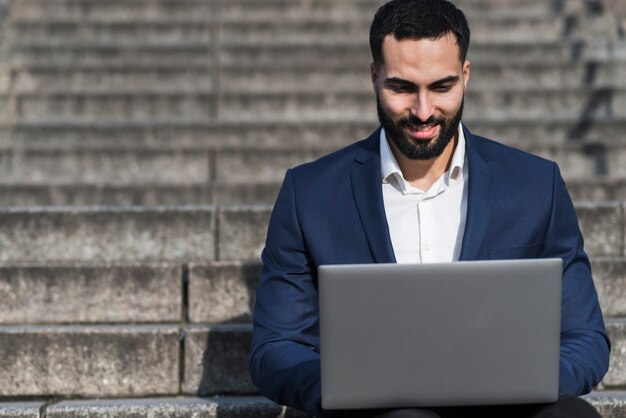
[(451, 79), (401, 82)]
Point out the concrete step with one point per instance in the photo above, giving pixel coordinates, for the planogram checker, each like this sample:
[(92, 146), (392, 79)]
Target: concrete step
[(218, 193), (31, 9), (139, 293), (610, 404), (537, 103), (310, 135), (199, 106), (148, 52), (216, 360), (289, 54), (39, 235), (163, 135), (356, 76), (609, 275), (147, 166), (95, 293), (310, 20), (310, 26), (222, 292), (89, 361), (162, 31), (183, 76), (21, 409), (230, 287), (481, 101), (616, 377), (178, 407), (20, 194), (490, 7), (292, 54), (597, 189), (118, 9), (600, 237), (216, 292), (284, 8), (576, 160), (131, 78), (124, 360), (504, 20), (136, 166), (105, 166), (602, 225), (507, 25), (146, 194), (226, 407), (112, 107), (48, 158)]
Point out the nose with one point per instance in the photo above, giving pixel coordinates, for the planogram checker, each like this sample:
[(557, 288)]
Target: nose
[(422, 106)]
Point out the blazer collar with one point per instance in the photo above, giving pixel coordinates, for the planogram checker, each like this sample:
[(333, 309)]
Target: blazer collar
[(368, 197), (479, 196), (367, 191)]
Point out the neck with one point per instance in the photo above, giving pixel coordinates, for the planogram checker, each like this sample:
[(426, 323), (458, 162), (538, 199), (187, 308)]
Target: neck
[(424, 173)]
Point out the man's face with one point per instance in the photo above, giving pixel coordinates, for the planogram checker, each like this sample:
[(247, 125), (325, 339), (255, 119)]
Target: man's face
[(419, 93)]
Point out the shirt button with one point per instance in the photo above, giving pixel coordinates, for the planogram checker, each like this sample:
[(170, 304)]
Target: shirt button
[(426, 247)]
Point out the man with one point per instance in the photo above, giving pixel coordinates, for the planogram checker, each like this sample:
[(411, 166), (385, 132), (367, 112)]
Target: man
[(420, 189)]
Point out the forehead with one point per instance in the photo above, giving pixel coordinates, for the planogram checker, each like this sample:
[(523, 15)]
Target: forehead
[(423, 59)]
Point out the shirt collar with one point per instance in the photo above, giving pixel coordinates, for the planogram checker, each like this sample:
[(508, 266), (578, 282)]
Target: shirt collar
[(389, 165), (458, 158)]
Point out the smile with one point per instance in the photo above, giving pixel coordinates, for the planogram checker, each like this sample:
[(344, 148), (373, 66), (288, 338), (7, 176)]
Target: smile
[(422, 131)]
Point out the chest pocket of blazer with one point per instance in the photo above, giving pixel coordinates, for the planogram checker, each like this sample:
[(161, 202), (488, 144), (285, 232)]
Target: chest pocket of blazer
[(514, 253)]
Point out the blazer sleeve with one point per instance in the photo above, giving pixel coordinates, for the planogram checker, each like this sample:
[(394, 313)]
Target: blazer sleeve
[(285, 361), (585, 347)]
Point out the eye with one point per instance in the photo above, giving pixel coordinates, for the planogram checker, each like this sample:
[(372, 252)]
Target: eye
[(400, 88), (443, 88)]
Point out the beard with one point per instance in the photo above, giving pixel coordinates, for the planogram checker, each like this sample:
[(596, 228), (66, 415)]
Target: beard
[(414, 149)]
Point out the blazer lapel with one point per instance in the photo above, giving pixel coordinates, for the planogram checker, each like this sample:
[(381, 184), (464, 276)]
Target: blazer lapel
[(479, 198), (368, 197)]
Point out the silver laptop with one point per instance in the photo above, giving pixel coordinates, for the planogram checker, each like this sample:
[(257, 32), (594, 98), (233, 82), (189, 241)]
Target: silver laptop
[(449, 334)]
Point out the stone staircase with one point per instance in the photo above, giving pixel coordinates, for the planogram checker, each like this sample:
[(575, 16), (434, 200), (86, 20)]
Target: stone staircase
[(142, 144)]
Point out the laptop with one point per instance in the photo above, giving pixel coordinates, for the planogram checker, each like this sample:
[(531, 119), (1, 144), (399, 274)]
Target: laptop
[(447, 334)]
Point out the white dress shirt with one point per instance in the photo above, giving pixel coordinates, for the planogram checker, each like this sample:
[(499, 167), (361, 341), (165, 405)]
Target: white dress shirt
[(425, 226)]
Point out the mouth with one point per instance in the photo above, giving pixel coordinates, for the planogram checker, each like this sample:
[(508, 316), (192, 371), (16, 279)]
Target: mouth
[(422, 131)]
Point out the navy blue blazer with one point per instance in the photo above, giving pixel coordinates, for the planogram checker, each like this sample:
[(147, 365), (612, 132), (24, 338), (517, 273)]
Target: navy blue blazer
[(331, 211)]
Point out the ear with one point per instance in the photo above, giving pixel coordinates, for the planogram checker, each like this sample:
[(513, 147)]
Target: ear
[(374, 74), (466, 73)]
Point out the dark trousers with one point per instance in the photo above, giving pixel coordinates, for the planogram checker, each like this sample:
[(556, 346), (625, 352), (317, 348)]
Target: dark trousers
[(565, 407)]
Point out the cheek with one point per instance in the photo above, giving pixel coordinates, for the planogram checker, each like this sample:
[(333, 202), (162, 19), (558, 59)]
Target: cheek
[(450, 103), (395, 103)]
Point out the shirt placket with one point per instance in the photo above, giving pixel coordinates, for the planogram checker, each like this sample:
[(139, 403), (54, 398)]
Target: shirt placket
[(428, 220)]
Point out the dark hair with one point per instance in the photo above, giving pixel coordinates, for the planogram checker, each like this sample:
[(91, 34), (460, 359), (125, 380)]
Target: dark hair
[(418, 19)]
